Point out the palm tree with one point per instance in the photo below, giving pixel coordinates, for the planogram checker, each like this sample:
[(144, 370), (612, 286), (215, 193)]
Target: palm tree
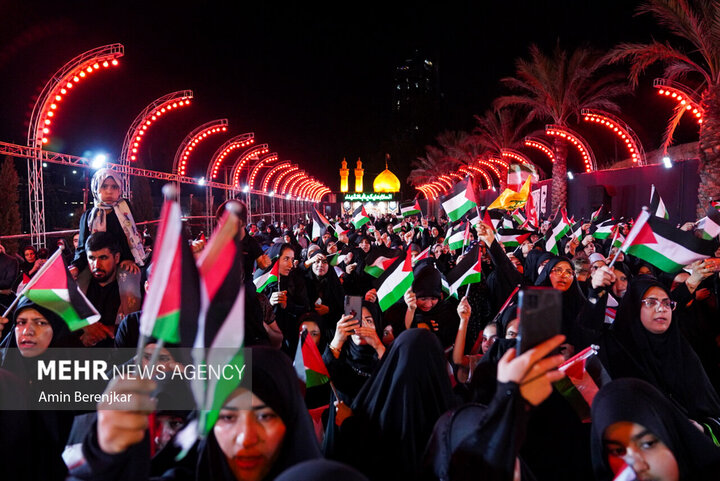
[(696, 22), (555, 88)]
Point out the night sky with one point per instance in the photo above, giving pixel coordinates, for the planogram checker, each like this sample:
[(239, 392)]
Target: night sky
[(314, 82)]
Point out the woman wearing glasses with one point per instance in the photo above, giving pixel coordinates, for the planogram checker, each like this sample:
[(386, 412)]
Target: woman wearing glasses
[(645, 342)]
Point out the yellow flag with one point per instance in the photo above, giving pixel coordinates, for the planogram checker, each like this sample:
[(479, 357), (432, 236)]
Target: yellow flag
[(511, 200)]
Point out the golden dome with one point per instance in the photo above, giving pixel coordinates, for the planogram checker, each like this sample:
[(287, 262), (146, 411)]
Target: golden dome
[(386, 181)]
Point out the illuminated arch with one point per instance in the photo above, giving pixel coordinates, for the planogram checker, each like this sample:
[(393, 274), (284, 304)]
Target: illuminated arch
[(445, 180), (456, 175), (242, 161), (679, 93), (298, 186), (492, 168), (522, 158), (502, 162), (191, 141), (60, 85), (237, 142), (541, 145), (322, 193), (619, 128), (289, 182), (433, 189), (294, 182), (424, 191), (318, 188), (574, 138), (265, 184), (145, 119), (442, 189), (42, 116), (261, 163), (282, 173), (474, 169), (304, 188)]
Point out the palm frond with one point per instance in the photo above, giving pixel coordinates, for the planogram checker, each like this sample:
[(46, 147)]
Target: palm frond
[(671, 127)]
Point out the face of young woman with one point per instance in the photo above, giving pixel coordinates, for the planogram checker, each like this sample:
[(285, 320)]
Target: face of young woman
[(33, 333), (655, 318), (640, 449), (561, 276), (366, 320), (285, 262), (320, 266), (109, 191), (365, 245), (250, 435)]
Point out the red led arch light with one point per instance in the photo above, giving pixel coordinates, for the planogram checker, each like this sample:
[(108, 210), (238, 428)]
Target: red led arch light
[(191, 141), (574, 138), (261, 163), (322, 193), (619, 128), (492, 168), (299, 185), (242, 161), (474, 169), (679, 93), (305, 188), (540, 145), (265, 184), (294, 182), (442, 188), (495, 160), (290, 181), (422, 190), (519, 157), (457, 176), (61, 83), (446, 179), (313, 192), (433, 189), (238, 142), (151, 113), (281, 174)]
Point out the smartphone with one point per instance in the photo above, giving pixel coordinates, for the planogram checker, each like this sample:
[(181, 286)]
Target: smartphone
[(713, 263), (353, 307), (540, 314)]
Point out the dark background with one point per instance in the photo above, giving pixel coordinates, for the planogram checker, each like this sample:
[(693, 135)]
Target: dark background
[(313, 80)]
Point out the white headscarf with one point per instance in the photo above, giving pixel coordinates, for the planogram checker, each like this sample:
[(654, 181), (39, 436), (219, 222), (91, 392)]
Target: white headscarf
[(97, 219)]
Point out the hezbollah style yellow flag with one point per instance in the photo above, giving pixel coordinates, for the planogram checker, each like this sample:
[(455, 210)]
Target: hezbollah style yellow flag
[(511, 200)]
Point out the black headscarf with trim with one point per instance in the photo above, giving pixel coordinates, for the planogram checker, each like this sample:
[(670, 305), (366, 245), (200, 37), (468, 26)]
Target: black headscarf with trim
[(636, 401)]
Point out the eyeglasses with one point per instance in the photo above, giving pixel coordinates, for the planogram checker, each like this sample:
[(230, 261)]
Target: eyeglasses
[(558, 271), (653, 303)]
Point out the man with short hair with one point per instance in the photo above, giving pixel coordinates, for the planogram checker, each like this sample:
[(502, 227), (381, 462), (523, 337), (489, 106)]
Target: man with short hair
[(103, 255)]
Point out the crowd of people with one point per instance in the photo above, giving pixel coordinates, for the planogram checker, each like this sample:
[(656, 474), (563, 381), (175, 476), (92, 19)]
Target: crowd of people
[(431, 388)]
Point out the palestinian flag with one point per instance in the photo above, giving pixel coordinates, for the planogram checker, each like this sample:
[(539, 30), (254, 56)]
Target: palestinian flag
[(467, 271), (309, 365), (657, 206), (379, 259), (576, 230), (395, 281), (584, 376), (173, 297), (512, 237), (53, 288), (320, 224), (559, 228), (460, 200), (710, 224), (596, 215), (336, 259), (518, 174), (360, 217), (458, 236), (492, 218), (604, 229), (657, 241), (618, 239), (267, 278), (340, 230), (518, 217), (621, 470), (475, 219), (410, 208), (423, 255), (397, 227)]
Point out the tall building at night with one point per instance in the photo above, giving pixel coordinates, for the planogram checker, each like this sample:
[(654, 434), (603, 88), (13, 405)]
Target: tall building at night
[(416, 99)]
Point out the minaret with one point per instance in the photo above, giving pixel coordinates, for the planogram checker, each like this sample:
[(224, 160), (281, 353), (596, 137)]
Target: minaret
[(359, 176), (344, 175)]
